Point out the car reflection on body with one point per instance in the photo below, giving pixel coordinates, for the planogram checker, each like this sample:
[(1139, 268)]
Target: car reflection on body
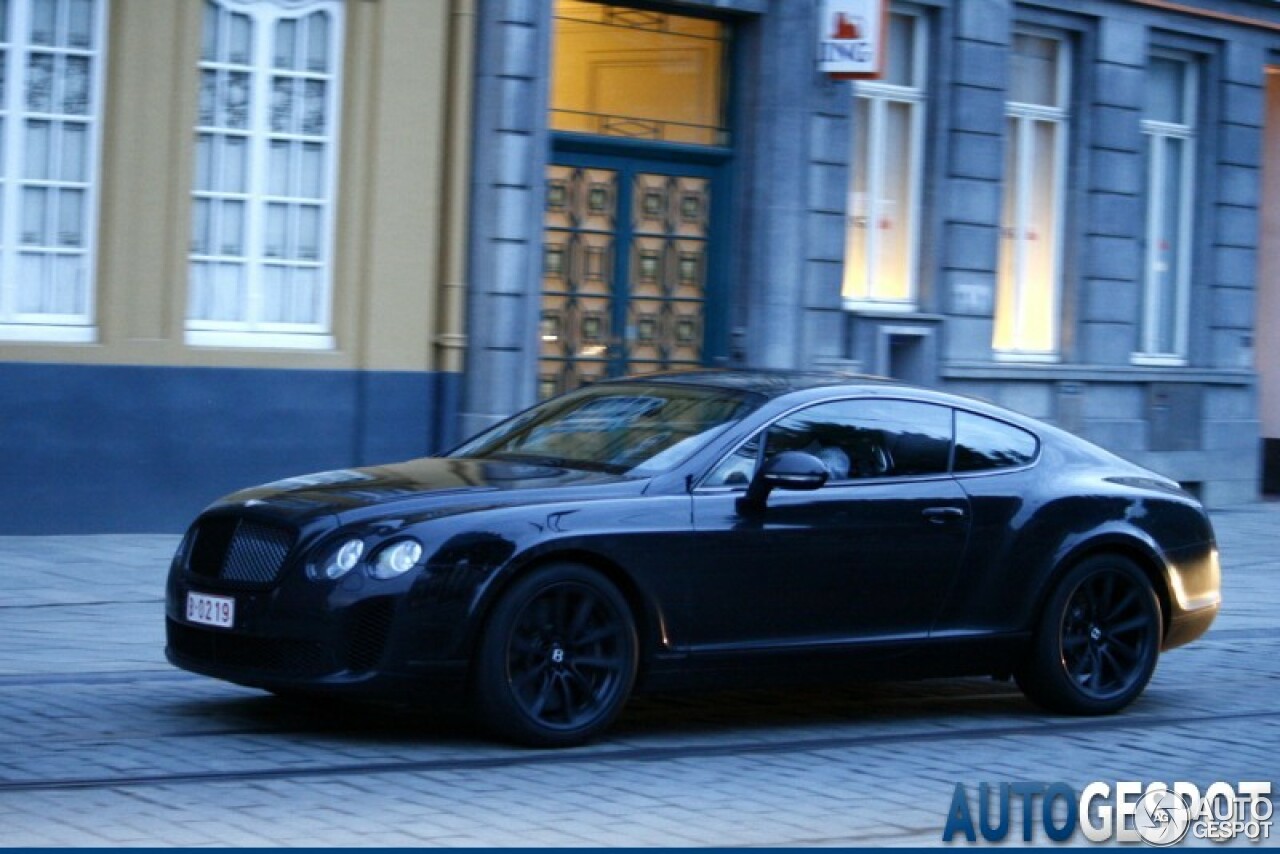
[(703, 528)]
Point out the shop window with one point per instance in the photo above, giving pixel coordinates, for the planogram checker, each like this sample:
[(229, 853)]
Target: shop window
[(1028, 283), (883, 226), (638, 73), (50, 115), (1168, 125), (262, 206)]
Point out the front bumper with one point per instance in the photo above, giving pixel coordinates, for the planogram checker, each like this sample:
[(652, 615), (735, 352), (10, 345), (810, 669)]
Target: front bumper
[(357, 635)]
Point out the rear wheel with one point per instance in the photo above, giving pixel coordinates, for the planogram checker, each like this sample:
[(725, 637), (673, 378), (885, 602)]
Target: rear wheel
[(558, 658), (1098, 639)]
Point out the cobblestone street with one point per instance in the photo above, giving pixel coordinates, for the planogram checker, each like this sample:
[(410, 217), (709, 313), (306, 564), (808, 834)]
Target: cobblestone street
[(102, 743)]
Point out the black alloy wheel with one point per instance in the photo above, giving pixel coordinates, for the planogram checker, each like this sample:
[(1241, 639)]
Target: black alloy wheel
[(558, 658), (1098, 640)]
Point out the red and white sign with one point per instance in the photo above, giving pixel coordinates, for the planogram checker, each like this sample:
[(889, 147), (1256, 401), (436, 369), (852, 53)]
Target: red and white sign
[(851, 37)]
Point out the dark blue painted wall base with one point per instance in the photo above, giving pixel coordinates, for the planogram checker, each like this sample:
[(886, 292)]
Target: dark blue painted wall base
[(92, 449)]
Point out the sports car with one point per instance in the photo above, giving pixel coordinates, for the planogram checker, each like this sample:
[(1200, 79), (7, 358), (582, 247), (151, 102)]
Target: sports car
[(704, 528)]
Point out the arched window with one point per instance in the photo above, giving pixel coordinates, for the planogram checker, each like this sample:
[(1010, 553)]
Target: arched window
[(265, 174), (50, 113)]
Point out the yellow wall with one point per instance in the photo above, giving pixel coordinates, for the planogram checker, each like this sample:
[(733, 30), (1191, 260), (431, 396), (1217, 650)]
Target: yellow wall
[(400, 225)]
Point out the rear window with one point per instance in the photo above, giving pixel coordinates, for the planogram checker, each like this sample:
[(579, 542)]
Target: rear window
[(983, 444)]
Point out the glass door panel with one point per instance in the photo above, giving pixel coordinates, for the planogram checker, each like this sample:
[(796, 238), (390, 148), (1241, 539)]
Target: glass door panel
[(625, 272)]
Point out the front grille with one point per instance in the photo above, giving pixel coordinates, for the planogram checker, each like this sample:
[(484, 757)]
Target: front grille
[(369, 633), (285, 656), (235, 549)]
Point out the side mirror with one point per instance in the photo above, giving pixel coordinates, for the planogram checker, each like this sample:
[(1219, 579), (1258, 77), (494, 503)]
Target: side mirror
[(788, 470)]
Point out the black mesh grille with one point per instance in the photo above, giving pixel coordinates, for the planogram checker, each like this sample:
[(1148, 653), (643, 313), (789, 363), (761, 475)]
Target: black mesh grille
[(237, 549), (257, 553), (286, 656), (209, 545), (369, 633)]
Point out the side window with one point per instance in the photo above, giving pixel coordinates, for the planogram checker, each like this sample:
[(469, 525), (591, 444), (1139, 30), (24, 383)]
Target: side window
[(855, 439), (984, 443)]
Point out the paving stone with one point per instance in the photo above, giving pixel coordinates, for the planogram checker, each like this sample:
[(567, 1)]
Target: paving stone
[(85, 694)]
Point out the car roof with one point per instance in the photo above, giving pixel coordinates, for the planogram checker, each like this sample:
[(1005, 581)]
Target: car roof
[(770, 383)]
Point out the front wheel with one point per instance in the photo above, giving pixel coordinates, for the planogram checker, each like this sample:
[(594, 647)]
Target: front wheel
[(558, 658), (1098, 639)]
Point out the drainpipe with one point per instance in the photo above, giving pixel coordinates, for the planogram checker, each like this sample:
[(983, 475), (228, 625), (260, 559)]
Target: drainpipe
[(451, 338)]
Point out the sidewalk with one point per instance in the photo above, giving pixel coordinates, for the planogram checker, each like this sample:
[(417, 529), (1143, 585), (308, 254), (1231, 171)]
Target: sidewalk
[(103, 743)]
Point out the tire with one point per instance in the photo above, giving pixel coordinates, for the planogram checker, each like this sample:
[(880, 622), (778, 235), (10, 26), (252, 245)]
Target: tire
[(557, 659), (1097, 642)]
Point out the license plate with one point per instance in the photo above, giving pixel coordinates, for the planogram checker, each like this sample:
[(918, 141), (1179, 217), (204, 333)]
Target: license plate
[(219, 611)]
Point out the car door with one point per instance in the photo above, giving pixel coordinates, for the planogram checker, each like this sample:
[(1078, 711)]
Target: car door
[(869, 556)]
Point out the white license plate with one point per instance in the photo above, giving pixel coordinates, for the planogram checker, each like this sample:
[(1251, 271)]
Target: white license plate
[(207, 610)]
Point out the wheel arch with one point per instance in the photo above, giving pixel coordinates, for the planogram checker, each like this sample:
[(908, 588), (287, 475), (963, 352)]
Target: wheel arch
[(1141, 553), (649, 621)]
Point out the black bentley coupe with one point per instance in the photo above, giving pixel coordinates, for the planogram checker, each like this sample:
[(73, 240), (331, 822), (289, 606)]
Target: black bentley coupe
[(713, 527)]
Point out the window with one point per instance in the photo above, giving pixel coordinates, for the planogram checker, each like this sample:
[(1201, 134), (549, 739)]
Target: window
[(1028, 280), (883, 227), (262, 208), (638, 73), (50, 102), (983, 444), (1168, 124), (855, 439), (623, 428)]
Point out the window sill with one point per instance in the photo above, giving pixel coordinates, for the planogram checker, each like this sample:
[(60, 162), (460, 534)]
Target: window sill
[(1157, 360), (1026, 358), (48, 333), (1086, 373), (259, 340), (863, 306)]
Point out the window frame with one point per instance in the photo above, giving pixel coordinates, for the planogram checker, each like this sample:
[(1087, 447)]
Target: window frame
[(702, 487), (1025, 117), (254, 331), (1157, 134), (879, 95), (955, 441), (16, 325)]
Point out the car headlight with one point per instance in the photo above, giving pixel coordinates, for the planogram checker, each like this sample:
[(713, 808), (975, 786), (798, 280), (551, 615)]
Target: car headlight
[(342, 559), (397, 559)]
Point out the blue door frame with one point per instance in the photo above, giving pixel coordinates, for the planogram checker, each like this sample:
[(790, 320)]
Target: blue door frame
[(628, 157)]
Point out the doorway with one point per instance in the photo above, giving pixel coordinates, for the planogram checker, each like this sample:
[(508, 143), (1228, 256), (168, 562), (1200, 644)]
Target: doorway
[(635, 193), (628, 271)]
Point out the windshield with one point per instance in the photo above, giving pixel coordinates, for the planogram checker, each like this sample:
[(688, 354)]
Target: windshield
[(640, 429)]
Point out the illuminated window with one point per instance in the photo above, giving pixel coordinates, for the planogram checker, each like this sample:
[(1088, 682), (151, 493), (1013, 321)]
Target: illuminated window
[(1169, 126), (262, 207), (50, 104), (884, 195), (1028, 281), (637, 73)]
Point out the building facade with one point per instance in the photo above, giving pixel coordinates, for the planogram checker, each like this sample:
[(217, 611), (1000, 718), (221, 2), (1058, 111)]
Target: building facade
[(243, 239), (233, 247), (1052, 206)]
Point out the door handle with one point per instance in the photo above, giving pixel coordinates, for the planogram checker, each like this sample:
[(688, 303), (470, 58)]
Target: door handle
[(941, 515)]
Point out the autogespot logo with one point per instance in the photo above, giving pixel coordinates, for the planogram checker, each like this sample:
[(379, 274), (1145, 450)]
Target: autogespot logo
[(1156, 813)]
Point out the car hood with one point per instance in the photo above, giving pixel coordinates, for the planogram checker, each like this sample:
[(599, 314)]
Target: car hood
[(417, 485)]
